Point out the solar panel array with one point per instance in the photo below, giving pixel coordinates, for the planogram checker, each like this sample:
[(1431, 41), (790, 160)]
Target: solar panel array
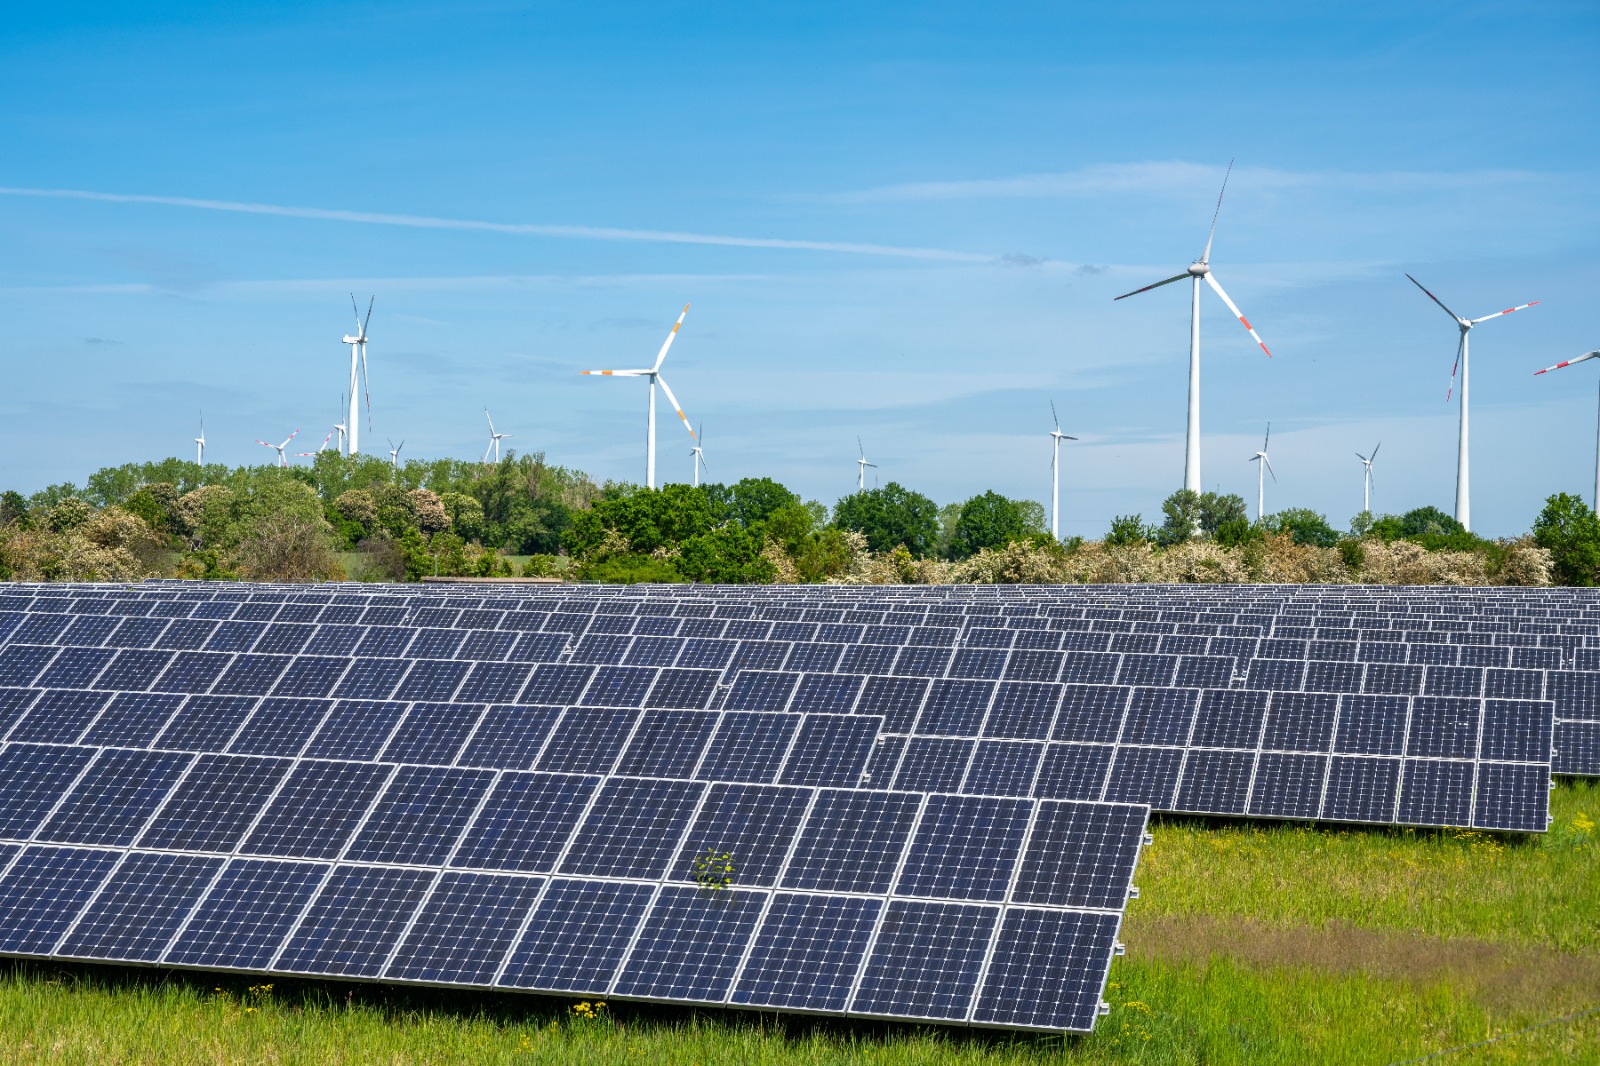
[(933, 798)]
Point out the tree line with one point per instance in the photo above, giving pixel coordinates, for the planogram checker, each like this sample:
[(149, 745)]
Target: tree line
[(363, 518)]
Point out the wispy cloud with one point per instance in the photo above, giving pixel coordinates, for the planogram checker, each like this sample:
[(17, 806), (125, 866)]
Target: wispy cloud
[(1176, 177), (319, 286), (526, 229)]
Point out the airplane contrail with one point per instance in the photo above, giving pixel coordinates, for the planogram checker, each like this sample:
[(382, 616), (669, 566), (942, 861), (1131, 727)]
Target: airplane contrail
[(591, 233)]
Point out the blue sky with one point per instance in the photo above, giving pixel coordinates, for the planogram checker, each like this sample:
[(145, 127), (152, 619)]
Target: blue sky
[(900, 222)]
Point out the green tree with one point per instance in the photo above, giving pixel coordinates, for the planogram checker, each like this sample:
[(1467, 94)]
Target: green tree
[(1304, 526), (889, 517), (1182, 511), (1571, 531), (749, 501), (1126, 530), (729, 555), (987, 521), (13, 510)]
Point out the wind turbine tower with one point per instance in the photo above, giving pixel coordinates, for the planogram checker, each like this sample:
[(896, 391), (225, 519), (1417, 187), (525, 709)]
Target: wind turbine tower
[(861, 474), (1056, 437), (1463, 492), (697, 454), (394, 454), (1558, 366), (1261, 474), (654, 374), (358, 353), (1366, 491), (494, 439), (200, 443), (1197, 271)]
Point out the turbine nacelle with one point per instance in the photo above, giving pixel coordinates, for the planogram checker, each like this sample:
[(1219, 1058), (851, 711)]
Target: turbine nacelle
[(1199, 268)]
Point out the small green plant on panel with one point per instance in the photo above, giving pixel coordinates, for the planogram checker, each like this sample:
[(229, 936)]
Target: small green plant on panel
[(713, 870)]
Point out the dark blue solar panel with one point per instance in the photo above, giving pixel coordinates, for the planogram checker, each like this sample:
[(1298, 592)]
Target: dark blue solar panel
[(1436, 793), (934, 764), (355, 921), (831, 750), (509, 737), (370, 679), (1047, 970), (965, 847), (897, 699), (494, 682), (32, 779), (133, 670), (1443, 727), (1504, 795), (42, 892), (1516, 731), (748, 746), (132, 719), (588, 740), (653, 651), (691, 943), (1022, 710), (1003, 768), (827, 693), (1288, 785), (215, 804), (618, 686), (816, 658), (114, 797), (1229, 719), (334, 640), (577, 936), (431, 680), (753, 824), (465, 930), (633, 828), (59, 717), (1299, 721), (432, 733), (759, 690), (870, 659), (73, 668), (355, 729), (1144, 775), (667, 744), (246, 914), (1159, 716), (279, 727), (852, 841), (1361, 789), (316, 810), (1091, 713), (925, 961), (1074, 771), (141, 906), (807, 952), (419, 816), (525, 822), (955, 708), (1216, 781), (311, 676)]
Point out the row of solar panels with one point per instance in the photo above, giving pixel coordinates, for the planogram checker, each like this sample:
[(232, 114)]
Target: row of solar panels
[(1421, 761)]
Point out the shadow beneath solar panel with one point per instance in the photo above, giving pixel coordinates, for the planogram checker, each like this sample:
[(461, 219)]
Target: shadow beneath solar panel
[(511, 1009), (1367, 829)]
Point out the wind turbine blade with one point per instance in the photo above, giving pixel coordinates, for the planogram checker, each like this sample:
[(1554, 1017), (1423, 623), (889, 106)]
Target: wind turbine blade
[(1217, 288), (1448, 392), (1507, 311), (673, 400), (1065, 437), (873, 465), (369, 317), (1569, 362), (264, 444), (1267, 438), (1363, 458), (1435, 299), (1055, 417), (860, 448), (1380, 443), (366, 386), (661, 355), (1206, 258), (1271, 471), (1147, 288), (356, 308), (619, 373), (490, 420)]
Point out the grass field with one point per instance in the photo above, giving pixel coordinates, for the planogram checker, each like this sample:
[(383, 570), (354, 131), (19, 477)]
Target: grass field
[(1250, 943)]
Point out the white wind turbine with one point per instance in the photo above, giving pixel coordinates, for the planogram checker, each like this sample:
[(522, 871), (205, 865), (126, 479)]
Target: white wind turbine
[(494, 439), (1463, 495), (282, 459), (1558, 366), (1261, 472), (697, 454), (1366, 461), (358, 352), (861, 474), (1056, 437), (394, 454), (338, 427), (200, 443), (654, 374), (1199, 269)]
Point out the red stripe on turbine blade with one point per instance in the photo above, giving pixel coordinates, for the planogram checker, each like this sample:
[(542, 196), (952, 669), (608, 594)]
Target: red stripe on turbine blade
[(1245, 321), (1264, 348)]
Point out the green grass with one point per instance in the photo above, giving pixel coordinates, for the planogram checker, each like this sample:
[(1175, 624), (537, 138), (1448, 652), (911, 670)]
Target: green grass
[(1249, 944)]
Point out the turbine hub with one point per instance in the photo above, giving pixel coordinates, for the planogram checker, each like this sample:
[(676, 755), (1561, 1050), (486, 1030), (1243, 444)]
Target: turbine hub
[(1199, 269)]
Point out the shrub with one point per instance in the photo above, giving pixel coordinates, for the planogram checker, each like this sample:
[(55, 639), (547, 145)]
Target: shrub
[(986, 521), (891, 517), (1570, 531)]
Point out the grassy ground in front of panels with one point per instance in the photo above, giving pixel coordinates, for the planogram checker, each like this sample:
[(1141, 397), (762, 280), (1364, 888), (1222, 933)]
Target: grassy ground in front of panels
[(1250, 943)]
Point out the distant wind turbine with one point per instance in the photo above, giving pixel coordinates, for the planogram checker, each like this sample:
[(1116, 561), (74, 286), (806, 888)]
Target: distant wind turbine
[(1558, 366), (1366, 461), (1261, 472), (282, 459), (861, 475), (341, 428), (358, 352), (200, 443), (1463, 494), (394, 454), (338, 428), (1198, 270), (494, 439), (697, 454), (1056, 437), (654, 374)]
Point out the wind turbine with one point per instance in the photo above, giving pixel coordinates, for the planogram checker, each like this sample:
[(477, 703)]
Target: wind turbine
[(698, 454), (200, 443), (654, 374), (861, 475), (394, 454), (358, 351), (1558, 366), (1463, 495), (1199, 269), (283, 459), (494, 439), (1261, 472), (1056, 437), (1366, 461), (340, 427)]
